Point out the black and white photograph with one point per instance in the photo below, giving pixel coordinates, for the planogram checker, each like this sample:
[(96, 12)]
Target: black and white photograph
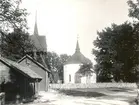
[(69, 52)]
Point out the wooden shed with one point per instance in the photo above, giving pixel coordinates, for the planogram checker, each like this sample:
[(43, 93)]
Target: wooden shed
[(39, 69), (24, 82)]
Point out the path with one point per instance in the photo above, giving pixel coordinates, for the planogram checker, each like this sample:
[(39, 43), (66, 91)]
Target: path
[(55, 98)]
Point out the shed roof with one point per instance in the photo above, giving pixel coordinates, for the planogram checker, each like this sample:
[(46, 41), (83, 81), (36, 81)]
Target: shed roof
[(22, 69), (78, 57), (33, 60)]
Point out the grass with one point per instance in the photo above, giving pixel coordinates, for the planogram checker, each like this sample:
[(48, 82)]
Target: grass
[(124, 94)]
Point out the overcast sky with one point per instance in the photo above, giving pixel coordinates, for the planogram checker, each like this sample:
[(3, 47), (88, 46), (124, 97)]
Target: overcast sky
[(62, 20)]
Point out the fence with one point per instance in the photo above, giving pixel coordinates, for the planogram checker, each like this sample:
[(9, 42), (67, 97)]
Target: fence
[(2, 98), (93, 85)]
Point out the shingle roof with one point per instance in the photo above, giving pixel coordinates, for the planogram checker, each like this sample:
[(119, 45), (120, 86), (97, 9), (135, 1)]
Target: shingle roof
[(33, 60), (78, 57), (22, 69), (39, 42)]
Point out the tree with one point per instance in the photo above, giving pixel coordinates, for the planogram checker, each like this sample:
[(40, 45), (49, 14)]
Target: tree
[(14, 39), (55, 64), (134, 9), (116, 53), (12, 31), (85, 69), (11, 16), (15, 45)]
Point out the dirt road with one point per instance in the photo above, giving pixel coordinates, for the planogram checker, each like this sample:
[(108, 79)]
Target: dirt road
[(86, 97)]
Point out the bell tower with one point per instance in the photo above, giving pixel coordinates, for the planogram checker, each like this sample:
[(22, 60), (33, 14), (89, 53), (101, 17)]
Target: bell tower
[(39, 51)]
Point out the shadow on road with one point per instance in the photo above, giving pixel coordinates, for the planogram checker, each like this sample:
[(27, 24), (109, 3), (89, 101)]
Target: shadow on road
[(82, 93)]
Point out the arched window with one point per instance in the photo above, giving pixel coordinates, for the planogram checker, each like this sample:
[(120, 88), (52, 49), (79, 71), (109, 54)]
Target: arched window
[(69, 78)]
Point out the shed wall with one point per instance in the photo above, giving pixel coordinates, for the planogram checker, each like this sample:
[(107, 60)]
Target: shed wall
[(43, 84)]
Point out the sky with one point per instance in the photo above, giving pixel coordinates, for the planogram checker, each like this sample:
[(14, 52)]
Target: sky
[(61, 21)]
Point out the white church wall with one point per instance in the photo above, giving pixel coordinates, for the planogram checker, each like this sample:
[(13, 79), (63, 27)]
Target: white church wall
[(69, 71), (89, 79), (93, 78), (83, 79), (69, 74)]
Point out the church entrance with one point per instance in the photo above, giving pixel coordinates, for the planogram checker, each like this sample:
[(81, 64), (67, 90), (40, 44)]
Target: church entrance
[(77, 77)]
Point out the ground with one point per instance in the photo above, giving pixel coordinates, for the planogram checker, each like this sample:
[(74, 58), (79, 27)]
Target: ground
[(103, 96)]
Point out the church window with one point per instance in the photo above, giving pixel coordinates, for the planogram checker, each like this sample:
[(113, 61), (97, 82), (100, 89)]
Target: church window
[(69, 78)]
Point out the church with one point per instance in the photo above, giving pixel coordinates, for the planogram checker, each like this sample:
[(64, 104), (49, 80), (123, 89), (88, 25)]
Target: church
[(36, 58), (72, 69)]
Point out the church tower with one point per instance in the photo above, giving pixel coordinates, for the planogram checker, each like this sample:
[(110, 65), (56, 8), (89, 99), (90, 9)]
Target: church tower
[(39, 51), (39, 41), (72, 67)]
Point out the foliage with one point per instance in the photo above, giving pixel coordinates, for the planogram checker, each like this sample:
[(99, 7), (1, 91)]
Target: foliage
[(11, 16), (15, 45), (55, 64), (86, 69), (117, 53), (14, 40), (134, 8)]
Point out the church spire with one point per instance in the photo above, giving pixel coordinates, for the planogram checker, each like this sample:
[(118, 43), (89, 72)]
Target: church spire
[(77, 45), (35, 27)]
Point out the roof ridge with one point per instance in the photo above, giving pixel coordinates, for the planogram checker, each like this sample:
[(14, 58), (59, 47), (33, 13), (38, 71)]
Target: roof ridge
[(18, 66), (32, 59)]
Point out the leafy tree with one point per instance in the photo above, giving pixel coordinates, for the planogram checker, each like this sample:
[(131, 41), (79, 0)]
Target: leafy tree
[(116, 53), (54, 60), (14, 41), (86, 69), (134, 13), (11, 16), (55, 64), (13, 38), (15, 45), (134, 8)]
